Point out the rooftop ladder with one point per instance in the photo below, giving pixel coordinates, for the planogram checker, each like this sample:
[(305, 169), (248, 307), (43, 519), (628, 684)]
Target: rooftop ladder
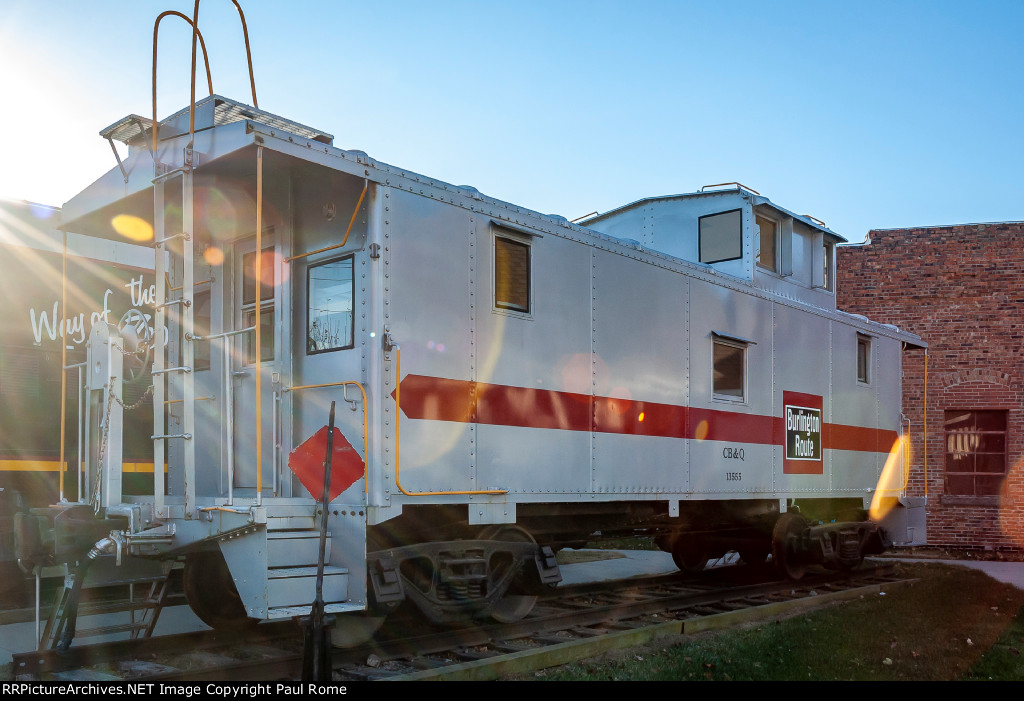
[(178, 246)]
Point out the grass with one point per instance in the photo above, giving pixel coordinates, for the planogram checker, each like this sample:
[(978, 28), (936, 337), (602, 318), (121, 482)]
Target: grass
[(953, 624)]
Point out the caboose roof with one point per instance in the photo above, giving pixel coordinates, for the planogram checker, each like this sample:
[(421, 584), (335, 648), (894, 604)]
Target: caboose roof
[(211, 111), (756, 199)]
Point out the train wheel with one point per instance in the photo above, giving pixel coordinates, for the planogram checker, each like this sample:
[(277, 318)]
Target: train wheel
[(521, 597), (689, 556), (211, 592), (785, 554)]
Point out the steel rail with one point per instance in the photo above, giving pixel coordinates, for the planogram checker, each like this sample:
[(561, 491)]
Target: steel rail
[(593, 610)]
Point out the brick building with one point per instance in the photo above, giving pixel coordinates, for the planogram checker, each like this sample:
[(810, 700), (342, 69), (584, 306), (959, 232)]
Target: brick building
[(961, 288)]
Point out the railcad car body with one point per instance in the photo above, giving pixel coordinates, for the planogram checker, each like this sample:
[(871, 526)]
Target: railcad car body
[(507, 383), (107, 281)]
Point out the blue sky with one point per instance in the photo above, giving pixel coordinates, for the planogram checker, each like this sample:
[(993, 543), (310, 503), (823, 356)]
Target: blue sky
[(863, 114)]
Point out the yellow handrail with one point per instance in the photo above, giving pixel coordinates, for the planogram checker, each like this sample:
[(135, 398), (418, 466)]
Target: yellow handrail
[(398, 413), (248, 53), (366, 183), (366, 429), (167, 280), (206, 59), (259, 328), (248, 56), (925, 437), (63, 362)]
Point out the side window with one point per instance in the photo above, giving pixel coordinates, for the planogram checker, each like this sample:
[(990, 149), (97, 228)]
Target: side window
[(730, 366), (767, 239), (830, 256), (201, 325), (863, 359), (721, 236), (975, 452), (511, 274), (329, 318)]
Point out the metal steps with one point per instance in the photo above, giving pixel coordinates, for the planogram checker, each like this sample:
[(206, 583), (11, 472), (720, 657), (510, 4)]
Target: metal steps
[(291, 575), (142, 613)]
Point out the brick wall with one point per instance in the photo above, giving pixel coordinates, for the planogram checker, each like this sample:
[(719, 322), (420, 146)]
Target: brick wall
[(961, 288)]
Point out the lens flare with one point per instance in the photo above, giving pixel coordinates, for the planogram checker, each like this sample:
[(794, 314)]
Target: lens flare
[(214, 256), (132, 228), (271, 261), (1009, 518), (620, 401), (701, 431), (217, 211), (893, 480)]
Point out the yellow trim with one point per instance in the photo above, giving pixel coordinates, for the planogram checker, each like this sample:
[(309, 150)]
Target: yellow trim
[(398, 414), (63, 361), (30, 466), (15, 465)]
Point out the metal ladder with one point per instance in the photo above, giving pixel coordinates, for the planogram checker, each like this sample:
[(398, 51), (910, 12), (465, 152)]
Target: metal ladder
[(164, 242), (143, 613)]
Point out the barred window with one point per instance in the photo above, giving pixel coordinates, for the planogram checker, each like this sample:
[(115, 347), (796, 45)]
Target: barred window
[(975, 452)]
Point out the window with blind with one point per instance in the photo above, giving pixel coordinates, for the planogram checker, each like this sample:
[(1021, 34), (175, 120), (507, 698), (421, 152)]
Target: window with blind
[(511, 274)]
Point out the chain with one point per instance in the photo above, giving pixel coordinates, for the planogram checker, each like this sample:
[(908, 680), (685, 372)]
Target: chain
[(111, 395), (132, 407), (123, 351)]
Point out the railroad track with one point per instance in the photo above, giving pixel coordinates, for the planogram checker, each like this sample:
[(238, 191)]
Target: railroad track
[(569, 624)]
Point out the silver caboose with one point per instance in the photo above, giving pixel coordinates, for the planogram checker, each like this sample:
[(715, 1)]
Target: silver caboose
[(507, 383)]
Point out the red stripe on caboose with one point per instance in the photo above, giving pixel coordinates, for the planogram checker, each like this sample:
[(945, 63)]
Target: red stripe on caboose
[(463, 401)]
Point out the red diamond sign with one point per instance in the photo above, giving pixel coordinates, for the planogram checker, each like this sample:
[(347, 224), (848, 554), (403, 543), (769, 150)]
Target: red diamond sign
[(307, 462)]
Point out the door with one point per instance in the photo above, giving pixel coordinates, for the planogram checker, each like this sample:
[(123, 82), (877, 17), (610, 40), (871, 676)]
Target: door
[(254, 306)]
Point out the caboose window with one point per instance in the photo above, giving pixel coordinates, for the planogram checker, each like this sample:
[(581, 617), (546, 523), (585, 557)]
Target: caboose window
[(201, 325), (975, 452), (721, 236), (329, 318), (830, 255), (511, 274), (729, 369), (266, 302), (863, 359), (767, 240), (249, 276)]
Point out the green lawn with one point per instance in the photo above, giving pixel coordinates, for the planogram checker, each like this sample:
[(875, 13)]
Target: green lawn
[(954, 623)]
